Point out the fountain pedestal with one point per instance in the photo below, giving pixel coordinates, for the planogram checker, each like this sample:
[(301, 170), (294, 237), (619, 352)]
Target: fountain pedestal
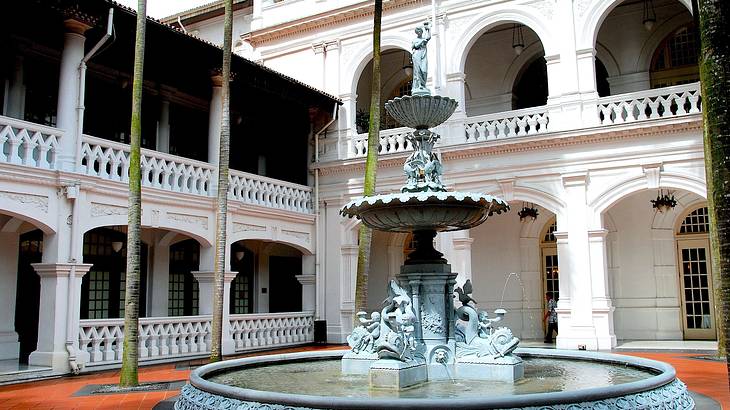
[(396, 374)]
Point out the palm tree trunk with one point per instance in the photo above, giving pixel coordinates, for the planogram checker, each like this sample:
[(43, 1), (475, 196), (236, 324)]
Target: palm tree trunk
[(371, 166), (128, 375), (715, 76), (222, 195)]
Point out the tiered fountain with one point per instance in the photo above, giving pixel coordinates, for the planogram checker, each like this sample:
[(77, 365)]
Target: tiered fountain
[(427, 348)]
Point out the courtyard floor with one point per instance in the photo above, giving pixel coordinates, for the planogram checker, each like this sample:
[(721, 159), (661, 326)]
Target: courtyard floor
[(707, 377)]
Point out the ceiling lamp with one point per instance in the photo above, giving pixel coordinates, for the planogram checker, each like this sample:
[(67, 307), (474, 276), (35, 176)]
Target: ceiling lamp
[(649, 16), (239, 255), (518, 40), (528, 211), (117, 246), (664, 201)]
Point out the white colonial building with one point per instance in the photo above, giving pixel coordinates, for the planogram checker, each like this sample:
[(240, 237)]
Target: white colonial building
[(583, 110)]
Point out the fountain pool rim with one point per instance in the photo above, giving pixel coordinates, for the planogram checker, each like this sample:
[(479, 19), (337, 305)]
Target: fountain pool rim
[(665, 376)]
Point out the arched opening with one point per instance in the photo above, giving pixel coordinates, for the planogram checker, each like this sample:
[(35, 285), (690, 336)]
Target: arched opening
[(602, 85), (505, 69), (267, 277), (695, 275), (183, 294), (396, 71), (649, 50), (103, 287), (675, 60)]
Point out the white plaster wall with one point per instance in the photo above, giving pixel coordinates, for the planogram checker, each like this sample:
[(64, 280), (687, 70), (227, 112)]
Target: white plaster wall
[(212, 29)]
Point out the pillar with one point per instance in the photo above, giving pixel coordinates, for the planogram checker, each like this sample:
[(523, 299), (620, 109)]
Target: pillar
[(206, 286), (319, 58), (308, 280), (455, 132), (602, 307), (331, 71), (68, 91), (163, 127), (160, 282), (16, 93), (52, 318), (462, 256), (214, 120), (575, 268), (9, 248)]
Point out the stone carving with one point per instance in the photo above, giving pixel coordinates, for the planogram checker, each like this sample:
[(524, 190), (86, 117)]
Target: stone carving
[(37, 201), (419, 56), (189, 219), (107, 210), (432, 322), (476, 336), (364, 337), (241, 227), (299, 235), (423, 168)]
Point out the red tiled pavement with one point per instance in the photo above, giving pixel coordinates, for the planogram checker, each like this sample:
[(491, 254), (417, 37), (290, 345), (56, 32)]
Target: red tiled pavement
[(703, 376)]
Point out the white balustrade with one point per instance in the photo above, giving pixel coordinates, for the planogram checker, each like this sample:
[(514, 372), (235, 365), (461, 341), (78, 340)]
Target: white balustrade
[(27, 143), (264, 330), (650, 104), (110, 160), (391, 141), (272, 193), (517, 123), (159, 338)]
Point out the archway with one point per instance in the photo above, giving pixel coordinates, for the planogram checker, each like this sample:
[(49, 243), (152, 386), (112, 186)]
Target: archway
[(505, 69), (183, 291), (396, 71)]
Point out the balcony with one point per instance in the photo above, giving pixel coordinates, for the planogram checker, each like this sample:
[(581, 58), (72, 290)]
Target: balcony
[(649, 105)]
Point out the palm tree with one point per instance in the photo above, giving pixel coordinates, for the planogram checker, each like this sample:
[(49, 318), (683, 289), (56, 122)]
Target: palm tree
[(130, 361), (222, 197), (371, 166), (715, 76)]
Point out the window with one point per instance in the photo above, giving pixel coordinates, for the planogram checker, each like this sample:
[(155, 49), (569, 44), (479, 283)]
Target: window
[(550, 233), (675, 60), (183, 294), (698, 221)]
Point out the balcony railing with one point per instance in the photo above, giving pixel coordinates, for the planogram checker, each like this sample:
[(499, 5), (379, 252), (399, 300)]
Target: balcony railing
[(391, 141), (518, 123), (30, 144), (271, 193), (264, 330), (110, 160), (650, 104), (172, 338)]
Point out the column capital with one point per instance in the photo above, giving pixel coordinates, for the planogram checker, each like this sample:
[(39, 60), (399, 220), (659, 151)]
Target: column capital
[(77, 25), (208, 276), (306, 279), (597, 234), (318, 48), (575, 179), (61, 269), (462, 243)]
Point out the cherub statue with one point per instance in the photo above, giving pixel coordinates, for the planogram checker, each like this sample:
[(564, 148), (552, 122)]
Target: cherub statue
[(364, 337), (486, 327), (397, 317)]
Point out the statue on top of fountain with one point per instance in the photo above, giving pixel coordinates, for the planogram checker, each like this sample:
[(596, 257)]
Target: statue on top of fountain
[(419, 56), (476, 336), (390, 333)]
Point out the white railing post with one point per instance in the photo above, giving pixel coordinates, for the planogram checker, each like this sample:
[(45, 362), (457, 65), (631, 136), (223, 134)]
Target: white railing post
[(664, 102)]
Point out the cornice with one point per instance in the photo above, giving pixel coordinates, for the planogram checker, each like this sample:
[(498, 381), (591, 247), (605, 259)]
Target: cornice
[(531, 143), (325, 19)]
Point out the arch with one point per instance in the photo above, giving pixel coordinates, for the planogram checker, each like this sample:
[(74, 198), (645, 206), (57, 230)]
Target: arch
[(364, 54), (121, 220), (608, 60), (659, 33), (26, 213), (531, 53), (546, 200), (486, 21), (533, 229), (301, 244), (617, 192), (594, 15)]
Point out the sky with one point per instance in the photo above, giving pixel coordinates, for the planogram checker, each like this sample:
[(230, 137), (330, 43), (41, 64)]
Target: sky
[(163, 8)]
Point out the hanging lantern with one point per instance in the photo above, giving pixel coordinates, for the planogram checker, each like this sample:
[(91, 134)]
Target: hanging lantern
[(649, 16), (518, 40), (664, 201), (528, 211)]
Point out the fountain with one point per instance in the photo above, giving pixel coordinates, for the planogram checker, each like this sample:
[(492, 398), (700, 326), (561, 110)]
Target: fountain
[(429, 346)]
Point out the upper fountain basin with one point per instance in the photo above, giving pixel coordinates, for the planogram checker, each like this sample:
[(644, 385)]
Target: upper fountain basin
[(421, 111), (438, 211)]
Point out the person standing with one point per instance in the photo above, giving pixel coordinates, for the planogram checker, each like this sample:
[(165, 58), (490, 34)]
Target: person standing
[(551, 316)]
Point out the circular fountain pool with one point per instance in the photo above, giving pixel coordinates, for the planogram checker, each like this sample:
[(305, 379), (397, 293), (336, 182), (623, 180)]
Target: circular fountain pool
[(553, 379)]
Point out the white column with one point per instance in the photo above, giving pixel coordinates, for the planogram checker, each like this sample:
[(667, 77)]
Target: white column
[(163, 127), (214, 120), (586, 63), (9, 248), (309, 282), (575, 269), (602, 307), (51, 351), (206, 287), (531, 278), (331, 69), (16, 92), (160, 282), (319, 57), (454, 130), (68, 91), (462, 256)]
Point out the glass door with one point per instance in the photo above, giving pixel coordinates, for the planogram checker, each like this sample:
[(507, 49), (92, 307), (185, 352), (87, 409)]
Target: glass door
[(695, 278)]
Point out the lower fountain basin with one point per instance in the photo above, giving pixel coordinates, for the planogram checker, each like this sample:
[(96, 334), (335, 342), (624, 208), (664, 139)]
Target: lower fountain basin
[(554, 379), (436, 211)]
